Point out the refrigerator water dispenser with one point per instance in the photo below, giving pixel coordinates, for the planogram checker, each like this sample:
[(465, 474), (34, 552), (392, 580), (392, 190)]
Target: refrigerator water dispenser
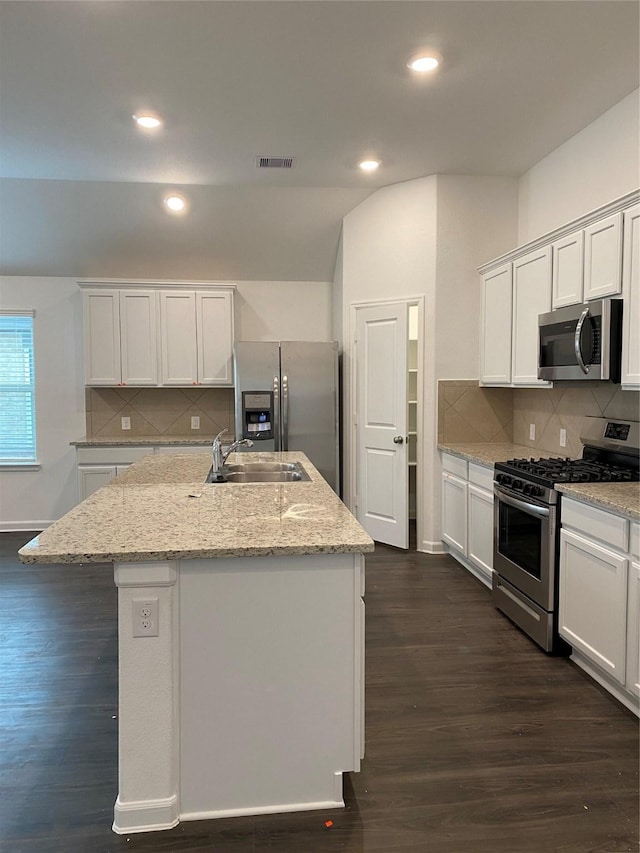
[(257, 415)]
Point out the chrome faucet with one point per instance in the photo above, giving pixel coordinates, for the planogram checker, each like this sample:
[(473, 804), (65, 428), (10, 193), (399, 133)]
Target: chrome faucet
[(220, 455)]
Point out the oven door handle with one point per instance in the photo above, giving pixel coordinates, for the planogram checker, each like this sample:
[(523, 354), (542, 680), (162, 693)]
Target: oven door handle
[(530, 509)]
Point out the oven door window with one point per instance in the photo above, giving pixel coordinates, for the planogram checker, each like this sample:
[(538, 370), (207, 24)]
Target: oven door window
[(519, 539)]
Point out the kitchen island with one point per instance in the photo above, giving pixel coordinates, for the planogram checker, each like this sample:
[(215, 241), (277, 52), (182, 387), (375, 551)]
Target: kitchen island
[(244, 691)]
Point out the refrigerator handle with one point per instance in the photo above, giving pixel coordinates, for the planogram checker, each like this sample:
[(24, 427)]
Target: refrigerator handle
[(285, 413), (276, 414)]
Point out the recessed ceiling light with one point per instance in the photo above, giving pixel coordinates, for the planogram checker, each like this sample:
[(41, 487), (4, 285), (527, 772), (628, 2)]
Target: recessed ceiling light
[(148, 121), (369, 165), (175, 203), (424, 63)]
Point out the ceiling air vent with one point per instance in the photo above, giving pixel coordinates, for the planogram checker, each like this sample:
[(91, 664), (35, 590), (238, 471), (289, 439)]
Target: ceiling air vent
[(275, 162)]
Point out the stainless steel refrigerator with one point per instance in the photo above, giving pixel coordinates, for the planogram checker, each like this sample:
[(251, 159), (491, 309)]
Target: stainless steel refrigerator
[(286, 398)]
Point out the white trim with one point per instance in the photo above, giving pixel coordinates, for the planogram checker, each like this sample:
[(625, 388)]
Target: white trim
[(28, 526), (20, 312), (21, 466), (256, 810), (611, 207), (145, 574), (349, 487), (618, 692), (145, 815), (155, 284), (429, 547)]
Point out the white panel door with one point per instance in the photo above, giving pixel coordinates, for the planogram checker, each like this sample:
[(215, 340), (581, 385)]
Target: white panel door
[(631, 297), (603, 257), (382, 480), (454, 511), (568, 269), (138, 337), (91, 478), (101, 310), (495, 345), (593, 602), (531, 297), (214, 320), (178, 338)]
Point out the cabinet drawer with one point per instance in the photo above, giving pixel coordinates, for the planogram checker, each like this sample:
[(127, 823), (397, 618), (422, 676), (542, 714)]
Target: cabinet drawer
[(634, 539), (454, 465), (481, 476), (111, 455), (596, 523)]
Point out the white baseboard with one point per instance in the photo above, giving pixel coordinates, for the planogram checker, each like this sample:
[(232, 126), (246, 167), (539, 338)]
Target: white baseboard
[(145, 815), (281, 808), (427, 547), (26, 526)]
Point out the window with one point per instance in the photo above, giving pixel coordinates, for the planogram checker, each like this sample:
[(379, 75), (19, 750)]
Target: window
[(17, 391)]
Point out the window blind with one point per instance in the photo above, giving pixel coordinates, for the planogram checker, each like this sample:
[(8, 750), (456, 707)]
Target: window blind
[(17, 392)]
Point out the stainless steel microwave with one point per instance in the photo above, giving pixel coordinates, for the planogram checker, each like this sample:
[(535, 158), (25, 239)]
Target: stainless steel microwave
[(581, 341)]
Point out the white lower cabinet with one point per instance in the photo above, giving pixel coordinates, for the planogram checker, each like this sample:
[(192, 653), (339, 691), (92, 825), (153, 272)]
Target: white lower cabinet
[(467, 514), (98, 465), (599, 597)]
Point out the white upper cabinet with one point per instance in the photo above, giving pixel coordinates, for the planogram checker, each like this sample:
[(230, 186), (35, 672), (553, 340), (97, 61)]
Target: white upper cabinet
[(495, 335), (196, 337), (214, 331), (155, 335), (138, 337), (101, 313), (178, 342), (603, 257), (631, 297), (531, 297), (568, 269)]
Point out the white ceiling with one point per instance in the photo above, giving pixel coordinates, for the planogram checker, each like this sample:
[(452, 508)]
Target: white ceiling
[(324, 81)]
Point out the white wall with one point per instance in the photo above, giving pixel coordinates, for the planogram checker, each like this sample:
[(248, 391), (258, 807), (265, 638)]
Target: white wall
[(30, 500), (592, 168), (426, 238)]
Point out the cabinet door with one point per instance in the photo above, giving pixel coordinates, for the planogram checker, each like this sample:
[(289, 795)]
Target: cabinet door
[(101, 310), (568, 269), (91, 478), (178, 341), (631, 296), (454, 512), (495, 333), (214, 319), (531, 296), (633, 630), (603, 257), (593, 602), (480, 530), (138, 337)]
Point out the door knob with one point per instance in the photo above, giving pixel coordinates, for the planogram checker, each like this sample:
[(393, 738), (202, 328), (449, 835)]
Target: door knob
[(398, 439)]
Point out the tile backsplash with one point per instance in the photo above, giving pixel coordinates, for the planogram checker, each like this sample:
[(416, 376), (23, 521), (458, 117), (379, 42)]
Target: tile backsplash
[(566, 406), (468, 413), (159, 411)]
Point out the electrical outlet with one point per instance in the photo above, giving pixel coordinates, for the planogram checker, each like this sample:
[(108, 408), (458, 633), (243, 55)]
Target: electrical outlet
[(532, 432), (195, 422), (125, 423), (563, 438), (144, 617)]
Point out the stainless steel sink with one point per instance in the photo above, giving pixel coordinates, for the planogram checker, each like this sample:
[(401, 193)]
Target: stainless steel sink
[(260, 472), (247, 467)]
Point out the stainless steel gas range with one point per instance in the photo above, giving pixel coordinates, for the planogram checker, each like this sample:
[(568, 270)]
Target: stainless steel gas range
[(527, 509)]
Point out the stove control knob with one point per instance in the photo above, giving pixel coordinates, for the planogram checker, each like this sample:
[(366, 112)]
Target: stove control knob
[(517, 484)]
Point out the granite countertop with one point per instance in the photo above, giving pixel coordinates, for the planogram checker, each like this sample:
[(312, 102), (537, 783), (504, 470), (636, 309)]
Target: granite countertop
[(488, 454), (623, 498), (147, 514), (145, 441)]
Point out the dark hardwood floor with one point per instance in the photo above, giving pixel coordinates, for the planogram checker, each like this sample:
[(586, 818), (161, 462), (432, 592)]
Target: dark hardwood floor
[(477, 742)]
